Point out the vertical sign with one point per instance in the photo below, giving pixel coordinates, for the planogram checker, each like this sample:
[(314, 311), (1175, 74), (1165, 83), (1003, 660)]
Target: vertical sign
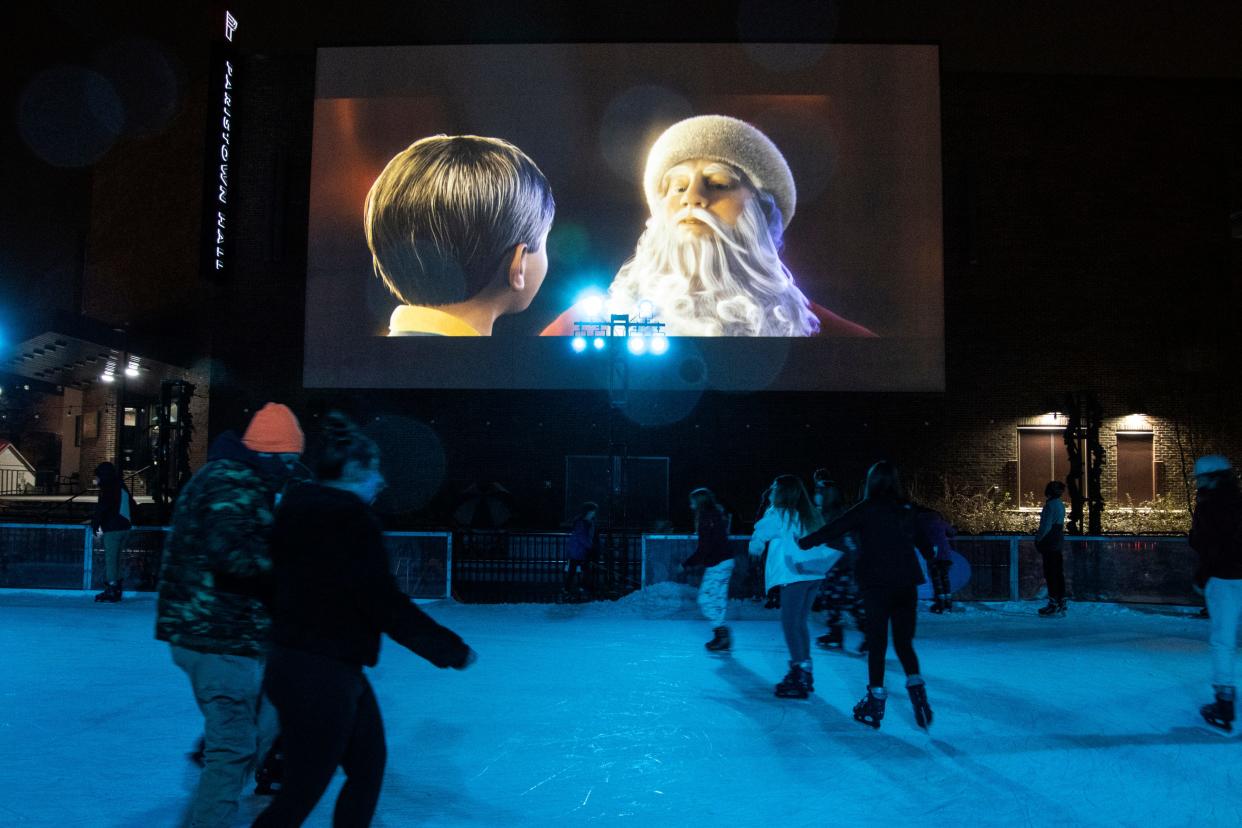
[(219, 168)]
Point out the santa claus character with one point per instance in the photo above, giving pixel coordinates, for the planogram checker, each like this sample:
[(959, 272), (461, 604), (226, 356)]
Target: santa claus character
[(721, 196)]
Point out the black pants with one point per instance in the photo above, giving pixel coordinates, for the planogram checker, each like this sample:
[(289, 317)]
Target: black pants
[(940, 577), (572, 567), (328, 718), (1054, 573), (898, 606)]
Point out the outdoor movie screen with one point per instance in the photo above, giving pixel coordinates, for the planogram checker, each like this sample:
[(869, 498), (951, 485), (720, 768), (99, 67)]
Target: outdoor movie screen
[(746, 216)]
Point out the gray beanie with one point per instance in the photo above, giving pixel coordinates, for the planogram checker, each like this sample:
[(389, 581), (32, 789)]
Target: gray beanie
[(725, 139)]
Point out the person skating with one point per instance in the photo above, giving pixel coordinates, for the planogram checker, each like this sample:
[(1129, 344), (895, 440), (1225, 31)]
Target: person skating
[(578, 547), (335, 597), (1048, 541), (215, 585), (712, 552), (111, 523), (1216, 534), (840, 592), (790, 516), (940, 534), (888, 574)]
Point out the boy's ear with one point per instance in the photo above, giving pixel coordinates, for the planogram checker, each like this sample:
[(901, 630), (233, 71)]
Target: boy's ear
[(517, 268)]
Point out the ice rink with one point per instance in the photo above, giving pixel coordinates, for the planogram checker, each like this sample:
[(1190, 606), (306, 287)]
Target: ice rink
[(613, 713)]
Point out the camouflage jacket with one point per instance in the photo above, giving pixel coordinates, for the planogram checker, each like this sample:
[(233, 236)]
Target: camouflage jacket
[(216, 575)]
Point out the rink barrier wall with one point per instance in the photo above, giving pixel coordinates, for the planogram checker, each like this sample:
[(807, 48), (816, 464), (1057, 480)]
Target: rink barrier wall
[(65, 556), (501, 567)]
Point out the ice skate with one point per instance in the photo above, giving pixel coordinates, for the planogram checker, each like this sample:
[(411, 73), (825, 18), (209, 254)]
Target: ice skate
[(1219, 714), (834, 639), (942, 604), (870, 710), (917, 689), (797, 684), (721, 640), (1055, 609), (111, 593)]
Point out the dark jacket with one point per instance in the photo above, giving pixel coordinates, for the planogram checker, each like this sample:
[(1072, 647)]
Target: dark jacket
[(581, 539), (216, 575), (938, 531), (1216, 534), (335, 592), (888, 538), (108, 515), (713, 545)]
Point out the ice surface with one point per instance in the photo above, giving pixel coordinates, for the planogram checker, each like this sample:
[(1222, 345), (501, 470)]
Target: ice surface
[(613, 713)]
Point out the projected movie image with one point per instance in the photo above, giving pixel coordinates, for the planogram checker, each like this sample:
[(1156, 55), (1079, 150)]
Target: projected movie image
[(763, 216)]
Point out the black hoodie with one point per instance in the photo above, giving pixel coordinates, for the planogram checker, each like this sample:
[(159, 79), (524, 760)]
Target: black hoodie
[(1216, 533), (108, 515)]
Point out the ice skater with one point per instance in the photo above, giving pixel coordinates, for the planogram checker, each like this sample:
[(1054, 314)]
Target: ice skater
[(712, 552), (1048, 541), (839, 589), (111, 524), (889, 575), (215, 585), (335, 596), (796, 572), (940, 533), (578, 547), (1216, 534)]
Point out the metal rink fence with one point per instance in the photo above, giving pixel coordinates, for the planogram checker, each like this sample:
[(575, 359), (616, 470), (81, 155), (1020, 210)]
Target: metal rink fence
[(44, 556), (422, 562), (503, 567), (492, 567)]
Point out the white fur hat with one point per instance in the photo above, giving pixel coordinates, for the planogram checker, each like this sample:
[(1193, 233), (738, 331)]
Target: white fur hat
[(734, 142)]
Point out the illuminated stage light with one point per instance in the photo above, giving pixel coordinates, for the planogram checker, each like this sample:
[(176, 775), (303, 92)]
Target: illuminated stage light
[(598, 343), (659, 345), (646, 309), (108, 377), (578, 344), (637, 345), (592, 305)]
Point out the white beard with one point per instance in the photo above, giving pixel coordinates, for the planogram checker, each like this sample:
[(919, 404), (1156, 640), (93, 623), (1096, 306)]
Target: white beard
[(728, 282)]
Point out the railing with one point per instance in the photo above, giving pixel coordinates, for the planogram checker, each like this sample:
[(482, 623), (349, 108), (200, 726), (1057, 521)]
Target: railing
[(474, 566), (15, 481), (65, 556), (1123, 569)]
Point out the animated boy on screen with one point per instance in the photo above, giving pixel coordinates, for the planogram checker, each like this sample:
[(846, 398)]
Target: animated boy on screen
[(457, 226)]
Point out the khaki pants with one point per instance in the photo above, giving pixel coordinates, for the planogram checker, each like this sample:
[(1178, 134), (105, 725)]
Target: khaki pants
[(238, 729), (114, 546)]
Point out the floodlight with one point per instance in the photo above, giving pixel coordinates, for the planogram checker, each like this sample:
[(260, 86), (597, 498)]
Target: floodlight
[(578, 344)]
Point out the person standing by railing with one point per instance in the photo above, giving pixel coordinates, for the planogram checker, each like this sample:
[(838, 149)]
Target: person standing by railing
[(111, 523), (1216, 534), (1049, 539), (712, 552), (578, 548)]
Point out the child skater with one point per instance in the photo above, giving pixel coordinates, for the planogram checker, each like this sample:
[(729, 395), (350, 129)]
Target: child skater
[(790, 516), (712, 525), (840, 590), (888, 575), (335, 596)]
